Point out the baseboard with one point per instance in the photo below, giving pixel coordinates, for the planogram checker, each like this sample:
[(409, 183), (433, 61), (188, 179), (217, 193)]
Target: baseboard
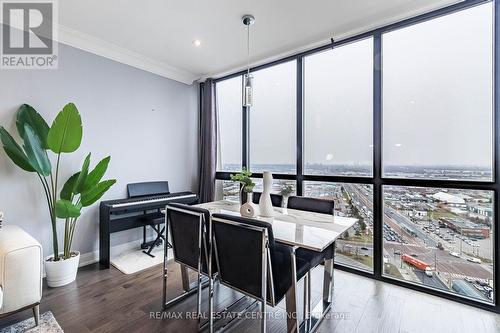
[(93, 257)]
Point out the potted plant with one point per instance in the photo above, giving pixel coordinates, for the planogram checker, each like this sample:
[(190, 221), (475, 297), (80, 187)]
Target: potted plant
[(81, 190), (248, 209), (247, 185)]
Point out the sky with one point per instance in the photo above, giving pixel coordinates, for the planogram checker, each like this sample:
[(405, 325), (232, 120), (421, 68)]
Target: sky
[(437, 100)]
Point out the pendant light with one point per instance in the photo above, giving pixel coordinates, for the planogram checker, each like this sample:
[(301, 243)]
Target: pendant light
[(248, 20)]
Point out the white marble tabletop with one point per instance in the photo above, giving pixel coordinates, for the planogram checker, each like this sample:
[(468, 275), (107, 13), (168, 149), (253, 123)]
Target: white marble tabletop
[(309, 230)]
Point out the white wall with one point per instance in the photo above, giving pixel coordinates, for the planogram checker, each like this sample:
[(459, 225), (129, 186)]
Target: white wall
[(147, 123)]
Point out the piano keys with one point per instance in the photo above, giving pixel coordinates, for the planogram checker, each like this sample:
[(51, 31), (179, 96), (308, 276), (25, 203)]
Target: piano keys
[(142, 208)]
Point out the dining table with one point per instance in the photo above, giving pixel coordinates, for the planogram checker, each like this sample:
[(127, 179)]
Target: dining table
[(300, 229)]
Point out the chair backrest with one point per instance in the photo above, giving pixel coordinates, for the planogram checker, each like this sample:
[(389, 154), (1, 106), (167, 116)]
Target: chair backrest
[(189, 235), (315, 205), (276, 199), (242, 250)]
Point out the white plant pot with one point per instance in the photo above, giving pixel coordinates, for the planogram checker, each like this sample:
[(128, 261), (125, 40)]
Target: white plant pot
[(62, 272)]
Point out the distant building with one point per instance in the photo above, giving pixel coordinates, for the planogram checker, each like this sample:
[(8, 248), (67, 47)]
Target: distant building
[(419, 214), (481, 210), (449, 199), (466, 228)]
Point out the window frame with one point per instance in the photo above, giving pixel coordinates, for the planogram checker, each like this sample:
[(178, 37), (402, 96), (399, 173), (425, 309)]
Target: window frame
[(377, 180)]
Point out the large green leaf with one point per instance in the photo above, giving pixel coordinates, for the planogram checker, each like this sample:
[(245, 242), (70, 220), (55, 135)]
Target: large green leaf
[(66, 209), (26, 114), (65, 134), (69, 186), (80, 182), (91, 196), (96, 175), (37, 155), (14, 151)]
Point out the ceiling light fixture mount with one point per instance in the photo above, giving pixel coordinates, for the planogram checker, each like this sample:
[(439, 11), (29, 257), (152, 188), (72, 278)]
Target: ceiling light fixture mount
[(248, 20)]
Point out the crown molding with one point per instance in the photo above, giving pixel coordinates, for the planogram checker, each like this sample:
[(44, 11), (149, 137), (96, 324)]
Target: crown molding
[(114, 52)]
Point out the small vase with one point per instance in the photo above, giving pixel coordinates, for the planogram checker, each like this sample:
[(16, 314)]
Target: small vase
[(265, 203), (249, 209), (284, 203)]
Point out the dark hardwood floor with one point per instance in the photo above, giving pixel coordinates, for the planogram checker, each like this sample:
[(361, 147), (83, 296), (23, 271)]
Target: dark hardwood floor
[(109, 301)]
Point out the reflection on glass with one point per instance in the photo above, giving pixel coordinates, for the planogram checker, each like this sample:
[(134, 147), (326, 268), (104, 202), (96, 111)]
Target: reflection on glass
[(440, 238), (355, 246)]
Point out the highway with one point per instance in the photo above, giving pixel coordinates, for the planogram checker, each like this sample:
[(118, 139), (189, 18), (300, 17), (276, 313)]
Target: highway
[(433, 281), (423, 245)]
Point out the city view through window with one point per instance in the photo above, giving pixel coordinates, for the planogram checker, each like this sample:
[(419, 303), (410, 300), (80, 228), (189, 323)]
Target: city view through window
[(437, 125)]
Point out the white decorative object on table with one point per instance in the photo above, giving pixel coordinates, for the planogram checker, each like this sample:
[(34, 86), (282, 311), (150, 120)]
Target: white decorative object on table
[(265, 203), (249, 209)]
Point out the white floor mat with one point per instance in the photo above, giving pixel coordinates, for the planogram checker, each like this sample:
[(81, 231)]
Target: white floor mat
[(134, 260)]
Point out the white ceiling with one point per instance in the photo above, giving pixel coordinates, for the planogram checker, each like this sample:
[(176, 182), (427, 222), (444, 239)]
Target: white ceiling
[(157, 35)]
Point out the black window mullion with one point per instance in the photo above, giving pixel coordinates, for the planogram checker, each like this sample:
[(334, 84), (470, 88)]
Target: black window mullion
[(496, 152), (378, 211), (300, 127)]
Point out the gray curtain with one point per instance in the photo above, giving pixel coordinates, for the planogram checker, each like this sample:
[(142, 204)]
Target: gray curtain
[(208, 140)]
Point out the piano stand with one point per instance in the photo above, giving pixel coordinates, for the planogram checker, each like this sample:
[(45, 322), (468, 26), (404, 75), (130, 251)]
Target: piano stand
[(158, 241)]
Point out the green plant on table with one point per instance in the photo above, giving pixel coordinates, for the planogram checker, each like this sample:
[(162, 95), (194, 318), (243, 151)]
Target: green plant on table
[(243, 177), (81, 190)]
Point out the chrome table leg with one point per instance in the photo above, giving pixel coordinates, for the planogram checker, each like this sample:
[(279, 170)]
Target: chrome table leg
[(317, 314), (292, 324)]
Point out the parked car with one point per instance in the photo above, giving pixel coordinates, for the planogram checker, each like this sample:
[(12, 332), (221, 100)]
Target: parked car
[(474, 260)]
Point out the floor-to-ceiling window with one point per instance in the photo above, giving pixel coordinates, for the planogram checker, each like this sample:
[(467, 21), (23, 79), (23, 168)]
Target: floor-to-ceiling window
[(438, 124), (397, 127), (338, 133)]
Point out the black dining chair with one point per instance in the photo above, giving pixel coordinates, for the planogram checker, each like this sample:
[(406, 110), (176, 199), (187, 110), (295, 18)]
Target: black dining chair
[(276, 199), (251, 262), (189, 229), (314, 258), (315, 205)]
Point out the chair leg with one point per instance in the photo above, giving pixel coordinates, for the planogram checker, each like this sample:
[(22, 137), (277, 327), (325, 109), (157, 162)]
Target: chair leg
[(309, 281), (263, 327), (306, 290), (36, 314), (291, 310), (210, 304), (328, 281), (292, 325)]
